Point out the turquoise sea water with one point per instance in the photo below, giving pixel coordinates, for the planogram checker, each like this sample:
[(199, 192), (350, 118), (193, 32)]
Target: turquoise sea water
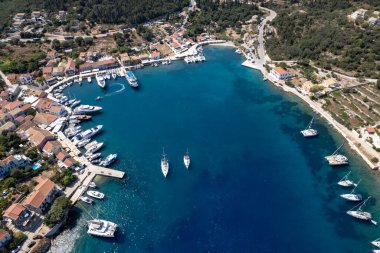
[(254, 185)]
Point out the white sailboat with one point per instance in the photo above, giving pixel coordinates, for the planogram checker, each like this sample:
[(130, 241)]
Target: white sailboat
[(164, 164), (308, 131), (186, 160), (336, 159), (360, 214), (352, 196), (345, 182)]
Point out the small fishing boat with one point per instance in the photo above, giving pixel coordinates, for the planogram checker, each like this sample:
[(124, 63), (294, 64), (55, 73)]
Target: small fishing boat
[(89, 79), (360, 214), (186, 160), (345, 182)]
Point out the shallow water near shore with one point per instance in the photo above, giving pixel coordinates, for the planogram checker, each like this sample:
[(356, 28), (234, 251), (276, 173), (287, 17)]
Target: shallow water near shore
[(254, 185)]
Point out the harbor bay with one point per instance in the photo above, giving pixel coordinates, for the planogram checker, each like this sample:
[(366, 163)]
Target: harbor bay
[(254, 184)]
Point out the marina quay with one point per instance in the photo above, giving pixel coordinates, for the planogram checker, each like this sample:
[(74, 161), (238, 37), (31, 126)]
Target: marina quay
[(189, 126)]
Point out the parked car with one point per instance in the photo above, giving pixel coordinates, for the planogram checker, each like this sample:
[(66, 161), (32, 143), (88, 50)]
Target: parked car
[(16, 249), (35, 237), (31, 244)]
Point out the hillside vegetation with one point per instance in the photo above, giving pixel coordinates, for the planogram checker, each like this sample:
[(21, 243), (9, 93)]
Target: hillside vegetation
[(320, 31), (102, 11)]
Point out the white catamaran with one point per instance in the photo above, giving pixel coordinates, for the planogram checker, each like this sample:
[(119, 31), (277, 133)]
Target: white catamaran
[(360, 214), (337, 159), (308, 131), (101, 228), (164, 164), (186, 160), (352, 196), (345, 182)]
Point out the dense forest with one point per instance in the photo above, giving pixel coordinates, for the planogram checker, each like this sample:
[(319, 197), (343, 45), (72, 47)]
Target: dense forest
[(102, 11), (218, 16), (319, 30)]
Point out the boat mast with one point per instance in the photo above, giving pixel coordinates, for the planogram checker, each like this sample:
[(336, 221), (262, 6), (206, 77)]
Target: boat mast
[(337, 150), (311, 122), (345, 177)]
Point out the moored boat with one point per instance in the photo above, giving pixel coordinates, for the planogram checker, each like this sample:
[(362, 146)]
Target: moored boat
[(352, 196), (95, 194), (308, 131), (186, 160), (86, 199), (100, 80), (132, 80), (360, 214), (337, 159), (345, 182), (108, 160), (83, 109), (101, 228), (164, 164)]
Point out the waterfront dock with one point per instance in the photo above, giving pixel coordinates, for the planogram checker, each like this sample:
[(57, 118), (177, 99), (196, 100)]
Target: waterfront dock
[(94, 171)]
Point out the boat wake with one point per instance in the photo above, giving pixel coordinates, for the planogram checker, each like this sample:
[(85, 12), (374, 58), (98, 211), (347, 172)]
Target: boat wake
[(122, 88)]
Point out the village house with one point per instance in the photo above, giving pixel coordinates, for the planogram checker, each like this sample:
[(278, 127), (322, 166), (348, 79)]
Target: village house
[(17, 25), (52, 147), (106, 64), (69, 162), (25, 78), (62, 15), (50, 80), (12, 105), (19, 17), (19, 111), (155, 55), (13, 78), (281, 73), (57, 110), (42, 195), (44, 119), (38, 137), (51, 55), (70, 68), (62, 155), (370, 130), (5, 237), (144, 57), (40, 93), (12, 162), (44, 104), (8, 126), (4, 117), (13, 91), (58, 71), (17, 214), (331, 83), (125, 59)]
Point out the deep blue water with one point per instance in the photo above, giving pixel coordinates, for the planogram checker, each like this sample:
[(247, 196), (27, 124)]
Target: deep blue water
[(254, 185)]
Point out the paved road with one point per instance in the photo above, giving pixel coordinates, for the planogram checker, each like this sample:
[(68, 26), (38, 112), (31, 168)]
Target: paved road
[(261, 50)]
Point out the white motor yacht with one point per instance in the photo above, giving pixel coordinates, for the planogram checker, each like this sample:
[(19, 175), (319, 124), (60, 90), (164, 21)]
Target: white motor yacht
[(84, 109), (92, 185), (101, 228), (88, 133), (86, 199), (95, 194), (108, 160), (83, 143), (100, 80), (132, 80)]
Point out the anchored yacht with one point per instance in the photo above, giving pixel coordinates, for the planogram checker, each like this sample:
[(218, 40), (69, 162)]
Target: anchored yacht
[(352, 196), (337, 159), (88, 133), (101, 228), (186, 159), (164, 164), (345, 182), (108, 160), (360, 214), (308, 131)]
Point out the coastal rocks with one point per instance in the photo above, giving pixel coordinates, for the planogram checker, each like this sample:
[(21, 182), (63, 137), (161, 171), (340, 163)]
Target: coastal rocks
[(42, 246)]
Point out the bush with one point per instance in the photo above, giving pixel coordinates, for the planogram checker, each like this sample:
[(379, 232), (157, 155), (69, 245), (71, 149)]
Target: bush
[(57, 211), (375, 160)]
